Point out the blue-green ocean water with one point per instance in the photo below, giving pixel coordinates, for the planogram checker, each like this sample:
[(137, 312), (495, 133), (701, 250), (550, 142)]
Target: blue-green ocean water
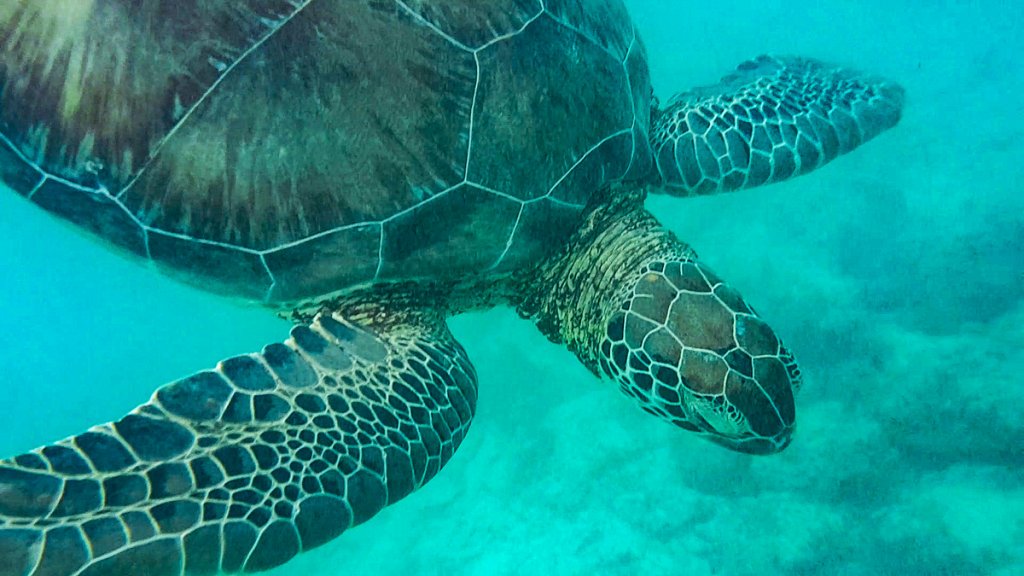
[(896, 274)]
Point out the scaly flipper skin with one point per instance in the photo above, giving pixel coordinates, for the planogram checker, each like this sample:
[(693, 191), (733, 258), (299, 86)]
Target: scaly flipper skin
[(242, 467), (771, 120)]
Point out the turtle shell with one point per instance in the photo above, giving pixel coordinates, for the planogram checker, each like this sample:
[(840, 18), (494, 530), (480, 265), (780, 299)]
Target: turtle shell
[(289, 149)]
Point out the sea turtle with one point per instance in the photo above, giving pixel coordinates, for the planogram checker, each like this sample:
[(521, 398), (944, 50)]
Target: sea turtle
[(369, 168)]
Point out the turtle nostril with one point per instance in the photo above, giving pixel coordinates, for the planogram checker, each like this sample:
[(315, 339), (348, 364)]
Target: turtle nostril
[(784, 437), (785, 441)]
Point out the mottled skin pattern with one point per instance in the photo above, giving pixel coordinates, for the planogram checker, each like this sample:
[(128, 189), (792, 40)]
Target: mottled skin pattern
[(693, 352), (371, 167), (241, 467), (772, 119), (636, 306)]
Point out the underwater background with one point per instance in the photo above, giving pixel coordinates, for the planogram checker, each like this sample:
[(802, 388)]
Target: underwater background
[(896, 275)]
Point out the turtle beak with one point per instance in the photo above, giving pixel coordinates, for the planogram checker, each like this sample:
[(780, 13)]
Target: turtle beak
[(753, 423), (755, 445)]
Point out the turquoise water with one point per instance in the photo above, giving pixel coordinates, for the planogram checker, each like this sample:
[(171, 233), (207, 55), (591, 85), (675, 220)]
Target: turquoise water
[(896, 275)]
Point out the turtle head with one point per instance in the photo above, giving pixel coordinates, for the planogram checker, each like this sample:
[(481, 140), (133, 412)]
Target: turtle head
[(691, 351), (635, 305)]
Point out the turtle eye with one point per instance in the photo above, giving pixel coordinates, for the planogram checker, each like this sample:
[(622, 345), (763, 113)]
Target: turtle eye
[(690, 350)]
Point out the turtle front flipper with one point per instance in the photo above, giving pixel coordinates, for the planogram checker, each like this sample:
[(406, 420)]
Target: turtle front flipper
[(770, 120), (241, 467)]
